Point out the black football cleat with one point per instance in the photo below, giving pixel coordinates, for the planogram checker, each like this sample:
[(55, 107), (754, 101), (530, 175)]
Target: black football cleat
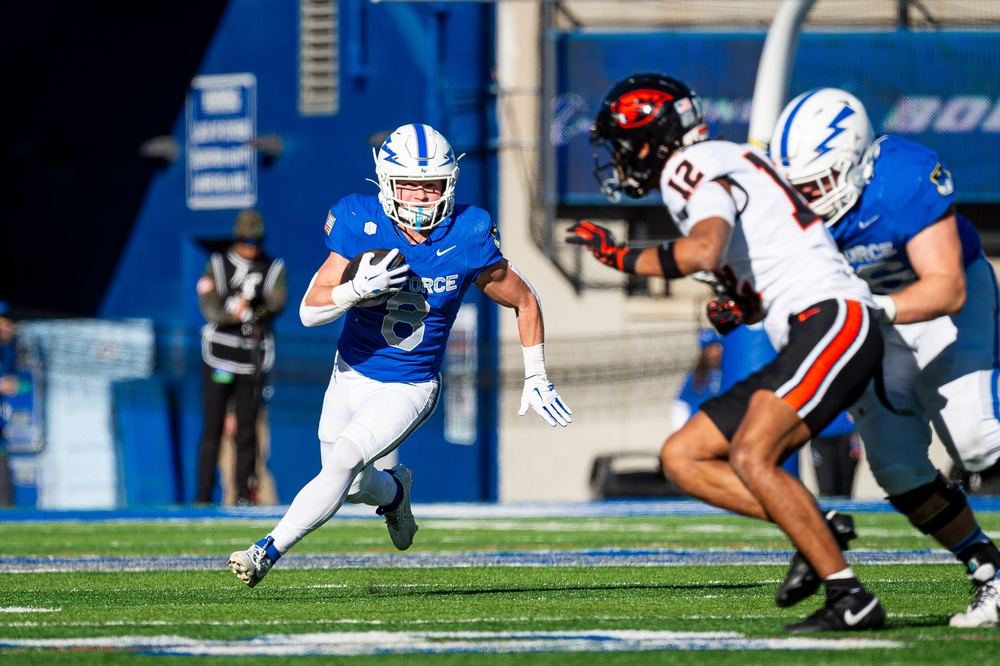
[(802, 581), (857, 611)]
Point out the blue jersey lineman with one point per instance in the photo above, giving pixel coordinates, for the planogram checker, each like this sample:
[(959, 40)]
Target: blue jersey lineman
[(890, 205)]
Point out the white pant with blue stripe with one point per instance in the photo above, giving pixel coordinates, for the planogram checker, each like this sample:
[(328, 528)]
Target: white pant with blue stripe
[(945, 371), (363, 420)]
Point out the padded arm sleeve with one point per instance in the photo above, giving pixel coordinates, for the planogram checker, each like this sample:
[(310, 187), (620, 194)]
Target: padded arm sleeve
[(315, 315)]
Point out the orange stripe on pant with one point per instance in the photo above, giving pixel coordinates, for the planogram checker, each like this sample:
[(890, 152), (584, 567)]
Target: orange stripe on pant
[(806, 389)]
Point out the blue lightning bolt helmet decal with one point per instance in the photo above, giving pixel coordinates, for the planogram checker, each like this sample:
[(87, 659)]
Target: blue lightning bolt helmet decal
[(390, 155), (835, 130)]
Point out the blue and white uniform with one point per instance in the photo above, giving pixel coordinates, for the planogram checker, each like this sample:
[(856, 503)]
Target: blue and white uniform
[(397, 347), (945, 370), (403, 340), (387, 375)]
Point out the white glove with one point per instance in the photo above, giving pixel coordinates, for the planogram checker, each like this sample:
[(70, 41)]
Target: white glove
[(541, 395), (375, 279)]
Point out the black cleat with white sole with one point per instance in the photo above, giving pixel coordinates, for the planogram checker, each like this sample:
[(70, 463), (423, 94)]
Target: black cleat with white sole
[(801, 581), (856, 611)]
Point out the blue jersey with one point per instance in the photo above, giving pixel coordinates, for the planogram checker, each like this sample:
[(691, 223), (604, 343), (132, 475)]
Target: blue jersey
[(403, 339), (909, 190), (694, 394), (842, 425)]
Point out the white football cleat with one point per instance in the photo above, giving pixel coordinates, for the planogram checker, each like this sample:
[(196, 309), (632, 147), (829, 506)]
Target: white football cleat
[(252, 564), (984, 611), (400, 520)]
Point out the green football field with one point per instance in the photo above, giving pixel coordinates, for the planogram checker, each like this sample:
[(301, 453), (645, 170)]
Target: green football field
[(631, 583)]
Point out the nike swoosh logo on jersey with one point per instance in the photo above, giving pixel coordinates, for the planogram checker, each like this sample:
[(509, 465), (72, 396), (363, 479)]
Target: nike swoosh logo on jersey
[(851, 619), (445, 251), (867, 223)]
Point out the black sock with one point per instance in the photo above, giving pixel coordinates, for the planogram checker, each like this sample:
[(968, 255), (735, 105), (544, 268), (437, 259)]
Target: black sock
[(394, 504), (839, 587), (979, 554)]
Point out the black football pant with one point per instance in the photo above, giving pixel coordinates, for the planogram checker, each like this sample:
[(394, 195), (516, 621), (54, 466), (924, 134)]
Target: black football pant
[(217, 393), (834, 464)]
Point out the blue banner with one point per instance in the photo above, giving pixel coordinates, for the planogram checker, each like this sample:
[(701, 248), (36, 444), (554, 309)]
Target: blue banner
[(941, 89)]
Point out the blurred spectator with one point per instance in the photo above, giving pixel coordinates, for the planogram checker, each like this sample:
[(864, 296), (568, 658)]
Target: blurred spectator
[(703, 381), (10, 385), (835, 455), (240, 293), (262, 487)]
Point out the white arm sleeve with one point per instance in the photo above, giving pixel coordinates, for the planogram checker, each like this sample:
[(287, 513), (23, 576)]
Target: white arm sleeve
[(315, 315), (711, 200)]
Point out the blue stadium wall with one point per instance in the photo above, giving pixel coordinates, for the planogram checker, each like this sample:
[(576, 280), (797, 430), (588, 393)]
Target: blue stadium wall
[(134, 248), (399, 63)]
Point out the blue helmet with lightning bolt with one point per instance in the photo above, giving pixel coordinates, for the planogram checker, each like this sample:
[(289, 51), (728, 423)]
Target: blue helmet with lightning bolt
[(416, 153), (820, 143)]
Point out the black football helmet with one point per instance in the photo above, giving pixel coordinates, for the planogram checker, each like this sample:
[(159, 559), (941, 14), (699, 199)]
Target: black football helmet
[(647, 109)]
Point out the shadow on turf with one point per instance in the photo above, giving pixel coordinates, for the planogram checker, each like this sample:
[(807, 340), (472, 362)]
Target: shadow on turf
[(379, 589)]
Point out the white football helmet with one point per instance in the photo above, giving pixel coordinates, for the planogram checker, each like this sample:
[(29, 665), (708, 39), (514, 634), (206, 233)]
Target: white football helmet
[(821, 139), (416, 152)]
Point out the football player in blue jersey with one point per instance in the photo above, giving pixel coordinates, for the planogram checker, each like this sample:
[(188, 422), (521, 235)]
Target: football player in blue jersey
[(386, 378), (890, 205), (702, 382)]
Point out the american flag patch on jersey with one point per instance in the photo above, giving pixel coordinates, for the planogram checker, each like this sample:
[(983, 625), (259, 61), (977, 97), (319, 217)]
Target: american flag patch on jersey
[(328, 227)]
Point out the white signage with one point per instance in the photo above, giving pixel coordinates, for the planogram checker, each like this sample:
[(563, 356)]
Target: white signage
[(221, 124)]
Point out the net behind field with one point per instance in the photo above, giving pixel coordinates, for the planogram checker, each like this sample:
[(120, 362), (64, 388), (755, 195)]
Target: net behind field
[(648, 14)]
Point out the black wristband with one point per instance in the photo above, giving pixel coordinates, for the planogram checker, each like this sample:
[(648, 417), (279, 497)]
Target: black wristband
[(629, 259), (668, 262)]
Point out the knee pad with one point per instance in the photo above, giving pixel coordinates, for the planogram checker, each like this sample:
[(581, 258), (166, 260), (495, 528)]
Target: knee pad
[(344, 455), (932, 506)]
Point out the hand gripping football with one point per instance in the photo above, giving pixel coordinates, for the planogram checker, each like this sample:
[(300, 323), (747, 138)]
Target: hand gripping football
[(351, 271)]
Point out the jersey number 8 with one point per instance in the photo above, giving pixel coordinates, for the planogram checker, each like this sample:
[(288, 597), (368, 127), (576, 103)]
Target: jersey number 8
[(406, 310)]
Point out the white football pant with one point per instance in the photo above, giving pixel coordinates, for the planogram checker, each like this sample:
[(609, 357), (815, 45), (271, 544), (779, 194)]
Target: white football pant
[(362, 420), (945, 371)]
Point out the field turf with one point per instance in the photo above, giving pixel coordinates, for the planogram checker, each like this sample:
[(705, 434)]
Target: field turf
[(632, 583)]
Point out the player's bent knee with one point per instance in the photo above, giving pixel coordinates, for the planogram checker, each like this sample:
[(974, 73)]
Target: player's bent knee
[(932, 506), (673, 460), (750, 462), (345, 455), (676, 461)]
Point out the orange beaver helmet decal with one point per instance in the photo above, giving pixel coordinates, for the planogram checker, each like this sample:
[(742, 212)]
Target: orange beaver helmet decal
[(641, 121), (638, 107)]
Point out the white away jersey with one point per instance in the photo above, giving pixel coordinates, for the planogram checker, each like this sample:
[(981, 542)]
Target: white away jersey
[(780, 253)]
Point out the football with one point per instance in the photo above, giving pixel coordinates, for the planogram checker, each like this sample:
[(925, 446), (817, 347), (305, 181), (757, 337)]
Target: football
[(352, 269)]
